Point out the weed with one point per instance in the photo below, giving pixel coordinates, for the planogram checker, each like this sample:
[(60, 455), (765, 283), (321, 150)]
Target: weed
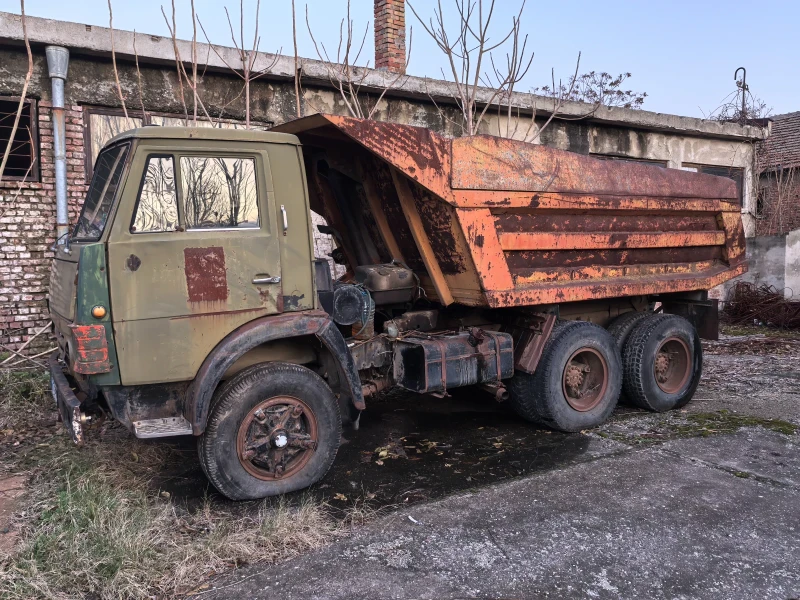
[(93, 525), (23, 395), (726, 422)]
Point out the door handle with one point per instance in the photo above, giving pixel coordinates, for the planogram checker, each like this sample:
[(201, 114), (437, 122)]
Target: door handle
[(285, 219), (260, 280)]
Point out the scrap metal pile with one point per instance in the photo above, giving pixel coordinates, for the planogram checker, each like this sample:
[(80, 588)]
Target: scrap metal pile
[(748, 304)]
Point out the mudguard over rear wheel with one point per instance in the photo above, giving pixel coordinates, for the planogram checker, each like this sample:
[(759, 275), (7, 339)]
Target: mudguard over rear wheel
[(274, 428), (577, 382)]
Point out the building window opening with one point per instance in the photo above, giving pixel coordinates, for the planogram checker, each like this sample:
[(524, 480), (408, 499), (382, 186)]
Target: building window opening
[(22, 159)]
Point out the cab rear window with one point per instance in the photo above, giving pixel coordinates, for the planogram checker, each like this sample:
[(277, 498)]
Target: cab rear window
[(100, 199)]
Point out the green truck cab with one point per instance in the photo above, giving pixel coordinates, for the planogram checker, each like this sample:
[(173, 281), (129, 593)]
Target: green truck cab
[(187, 299)]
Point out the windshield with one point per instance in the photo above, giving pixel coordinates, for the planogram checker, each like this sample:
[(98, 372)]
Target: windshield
[(107, 173)]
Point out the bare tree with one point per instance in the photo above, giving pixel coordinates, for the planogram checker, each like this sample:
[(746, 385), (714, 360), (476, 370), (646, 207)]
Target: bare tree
[(247, 58), (182, 74), (114, 59), (510, 111), (138, 76), (468, 52), (599, 89), (346, 76), (28, 74), (173, 32), (194, 63), (297, 68)]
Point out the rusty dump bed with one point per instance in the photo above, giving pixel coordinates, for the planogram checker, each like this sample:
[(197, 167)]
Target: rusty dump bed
[(486, 221)]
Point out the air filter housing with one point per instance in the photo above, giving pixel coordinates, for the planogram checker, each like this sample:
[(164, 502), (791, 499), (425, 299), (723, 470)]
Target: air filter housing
[(351, 304)]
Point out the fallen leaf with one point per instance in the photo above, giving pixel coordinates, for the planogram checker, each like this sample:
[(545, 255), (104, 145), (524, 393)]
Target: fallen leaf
[(379, 463), (341, 497)]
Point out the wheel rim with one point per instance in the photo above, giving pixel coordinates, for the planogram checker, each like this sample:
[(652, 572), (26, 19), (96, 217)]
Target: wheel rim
[(672, 367), (585, 379), (277, 438)]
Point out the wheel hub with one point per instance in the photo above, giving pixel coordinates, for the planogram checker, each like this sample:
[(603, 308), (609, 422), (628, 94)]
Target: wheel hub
[(672, 366), (662, 366), (585, 379), (280, 439), (574, 377), (277, 438)]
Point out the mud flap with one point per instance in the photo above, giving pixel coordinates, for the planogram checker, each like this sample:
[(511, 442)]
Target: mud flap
[(69, 407)]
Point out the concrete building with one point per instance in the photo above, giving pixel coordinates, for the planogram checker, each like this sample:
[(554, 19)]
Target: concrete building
[(94, 114)]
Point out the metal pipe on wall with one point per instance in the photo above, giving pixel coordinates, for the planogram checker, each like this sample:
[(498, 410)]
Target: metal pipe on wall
[(57, 65)]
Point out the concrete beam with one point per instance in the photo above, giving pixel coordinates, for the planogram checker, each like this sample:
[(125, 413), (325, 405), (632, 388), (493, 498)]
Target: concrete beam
[(152, 49)]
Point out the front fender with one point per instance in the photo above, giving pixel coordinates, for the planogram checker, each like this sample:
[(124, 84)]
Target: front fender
[(255, 333)]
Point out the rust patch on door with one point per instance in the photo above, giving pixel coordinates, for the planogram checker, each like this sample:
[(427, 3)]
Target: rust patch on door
[(206, 280)]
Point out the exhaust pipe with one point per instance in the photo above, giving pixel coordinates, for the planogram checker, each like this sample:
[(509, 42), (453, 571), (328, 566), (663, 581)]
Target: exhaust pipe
[(498, 390), (57, 65)]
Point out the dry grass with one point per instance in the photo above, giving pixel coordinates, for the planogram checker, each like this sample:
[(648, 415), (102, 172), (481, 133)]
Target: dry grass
[(92, 523), (23, 395)]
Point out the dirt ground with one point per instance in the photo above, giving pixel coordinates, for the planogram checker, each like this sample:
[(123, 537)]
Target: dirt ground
[(408, 451)]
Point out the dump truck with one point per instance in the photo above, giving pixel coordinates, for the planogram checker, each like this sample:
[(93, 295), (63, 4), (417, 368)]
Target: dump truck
[(187, 299)]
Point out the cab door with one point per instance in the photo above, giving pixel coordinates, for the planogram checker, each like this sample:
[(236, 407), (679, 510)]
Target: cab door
[(194, 253)]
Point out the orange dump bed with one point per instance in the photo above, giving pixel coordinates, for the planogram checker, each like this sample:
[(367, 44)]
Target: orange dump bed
[(486, 221)]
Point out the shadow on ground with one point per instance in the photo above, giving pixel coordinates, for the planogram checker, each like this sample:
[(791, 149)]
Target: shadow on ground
[(411, 449)]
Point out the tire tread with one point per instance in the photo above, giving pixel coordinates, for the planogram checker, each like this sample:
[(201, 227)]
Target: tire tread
[(225, 398)]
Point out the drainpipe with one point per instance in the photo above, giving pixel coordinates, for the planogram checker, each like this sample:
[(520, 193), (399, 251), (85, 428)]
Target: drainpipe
[(57, 64)]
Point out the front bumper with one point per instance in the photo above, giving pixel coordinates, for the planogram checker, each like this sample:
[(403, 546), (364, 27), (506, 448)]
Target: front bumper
[(69, 407)]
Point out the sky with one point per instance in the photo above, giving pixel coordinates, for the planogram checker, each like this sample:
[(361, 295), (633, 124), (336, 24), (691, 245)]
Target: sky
[(683, 54)]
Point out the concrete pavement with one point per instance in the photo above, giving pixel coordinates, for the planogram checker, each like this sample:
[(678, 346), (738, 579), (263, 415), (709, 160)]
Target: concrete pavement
[(703, 517)]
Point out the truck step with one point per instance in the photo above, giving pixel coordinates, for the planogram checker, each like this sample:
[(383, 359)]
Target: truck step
[(156, 428)]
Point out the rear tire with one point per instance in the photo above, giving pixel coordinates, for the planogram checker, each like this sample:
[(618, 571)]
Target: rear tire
[(621, 327), (663, 362), (274, 428), (577, 382)]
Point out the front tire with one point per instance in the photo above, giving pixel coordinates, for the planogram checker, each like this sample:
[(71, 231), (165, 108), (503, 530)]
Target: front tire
[(577, 382), (272, 429)]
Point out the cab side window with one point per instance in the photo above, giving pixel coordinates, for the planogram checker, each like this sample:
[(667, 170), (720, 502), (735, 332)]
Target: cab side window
[(219, 192), (157, 207)]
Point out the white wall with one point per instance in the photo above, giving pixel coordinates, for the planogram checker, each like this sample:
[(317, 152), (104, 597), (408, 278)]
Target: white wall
[(792, 264)]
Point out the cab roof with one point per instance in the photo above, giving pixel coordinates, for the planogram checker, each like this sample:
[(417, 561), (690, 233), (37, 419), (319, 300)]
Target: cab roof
[(206, 133)]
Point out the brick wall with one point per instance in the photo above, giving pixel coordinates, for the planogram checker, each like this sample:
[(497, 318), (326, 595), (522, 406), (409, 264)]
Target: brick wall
[(390, 35), (27, 230), (779, 202)]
